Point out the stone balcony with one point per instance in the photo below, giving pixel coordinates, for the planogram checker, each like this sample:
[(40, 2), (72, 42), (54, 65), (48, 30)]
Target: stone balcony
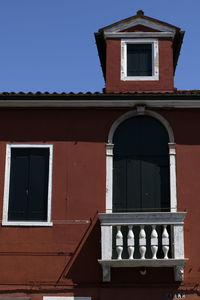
[(144, 239)]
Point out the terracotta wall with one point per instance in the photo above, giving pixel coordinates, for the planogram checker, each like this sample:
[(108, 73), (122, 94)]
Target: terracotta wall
[(113, 64), (32, 257)]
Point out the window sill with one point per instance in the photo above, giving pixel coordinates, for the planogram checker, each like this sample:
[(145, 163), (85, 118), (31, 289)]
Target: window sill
[(22, 223), (140, 78), (127, 263)]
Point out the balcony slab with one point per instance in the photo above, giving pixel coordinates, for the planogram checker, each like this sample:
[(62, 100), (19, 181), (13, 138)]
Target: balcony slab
[(177, 264)]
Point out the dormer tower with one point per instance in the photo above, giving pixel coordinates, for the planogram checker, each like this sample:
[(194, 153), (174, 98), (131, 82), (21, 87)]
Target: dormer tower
[(139, 54)]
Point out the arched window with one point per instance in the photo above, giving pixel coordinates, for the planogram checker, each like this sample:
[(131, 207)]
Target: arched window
[(141, 206), (141, 165)]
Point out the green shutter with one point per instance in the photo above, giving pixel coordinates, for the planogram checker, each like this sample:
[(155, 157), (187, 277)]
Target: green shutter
[(38, 184), (28, 184), (18, 184), (141, 166)]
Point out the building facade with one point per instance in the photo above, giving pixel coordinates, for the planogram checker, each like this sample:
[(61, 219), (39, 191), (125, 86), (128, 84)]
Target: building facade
[(99, 191)]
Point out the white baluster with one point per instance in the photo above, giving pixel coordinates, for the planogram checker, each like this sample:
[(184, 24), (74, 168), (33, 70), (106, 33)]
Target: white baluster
[(154, 242), (142, 242), (131, 242), (165, 242), (119, 242)]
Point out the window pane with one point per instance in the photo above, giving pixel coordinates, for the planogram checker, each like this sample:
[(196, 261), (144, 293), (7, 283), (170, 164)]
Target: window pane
[(139, 59)]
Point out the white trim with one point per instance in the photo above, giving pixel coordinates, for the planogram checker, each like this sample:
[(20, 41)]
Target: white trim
[(155, 60), (27, 224), (109, 177), (137, 34), (5, 221), (172, 165), (135, 113), (109, 156), (90, 103), (140, 21), (106, 242), (65, 298)]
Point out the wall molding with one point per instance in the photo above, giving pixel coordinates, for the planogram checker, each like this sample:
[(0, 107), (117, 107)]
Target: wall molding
[(137, 34), (106, 103)]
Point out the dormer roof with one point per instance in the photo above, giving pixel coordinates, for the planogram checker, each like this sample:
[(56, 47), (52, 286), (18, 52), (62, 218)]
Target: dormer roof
[(138, 25), (139, 19)]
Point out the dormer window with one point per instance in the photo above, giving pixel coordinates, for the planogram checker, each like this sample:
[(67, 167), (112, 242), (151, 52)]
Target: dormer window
[(139, 54), (139, 59)]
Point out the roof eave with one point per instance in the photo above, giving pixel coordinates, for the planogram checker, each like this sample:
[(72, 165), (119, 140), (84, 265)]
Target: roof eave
[(177, 43), (101, 47), (137, 17)]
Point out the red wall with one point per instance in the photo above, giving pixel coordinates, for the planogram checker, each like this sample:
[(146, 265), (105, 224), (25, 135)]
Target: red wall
[(113, 64), (32, 259)]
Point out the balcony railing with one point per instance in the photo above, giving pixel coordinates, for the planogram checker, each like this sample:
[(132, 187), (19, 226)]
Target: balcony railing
[(142, 240)]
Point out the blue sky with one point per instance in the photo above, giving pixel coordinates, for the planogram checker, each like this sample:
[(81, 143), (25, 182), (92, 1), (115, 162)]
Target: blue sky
[(48, 45)]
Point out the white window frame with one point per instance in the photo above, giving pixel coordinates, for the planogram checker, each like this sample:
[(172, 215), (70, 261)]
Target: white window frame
[(109, 156), (5, 221), (155, 59)]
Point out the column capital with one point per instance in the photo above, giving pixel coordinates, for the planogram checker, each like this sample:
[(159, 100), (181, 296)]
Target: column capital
[(172, 148), (109, 149)]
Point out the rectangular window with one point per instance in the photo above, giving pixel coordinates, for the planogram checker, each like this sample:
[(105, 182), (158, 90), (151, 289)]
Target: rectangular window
[(27, 194), (139, 59)]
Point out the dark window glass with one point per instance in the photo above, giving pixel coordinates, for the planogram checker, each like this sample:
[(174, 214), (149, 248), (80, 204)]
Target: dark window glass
[(139, 59), (28, 184), (141, 166)]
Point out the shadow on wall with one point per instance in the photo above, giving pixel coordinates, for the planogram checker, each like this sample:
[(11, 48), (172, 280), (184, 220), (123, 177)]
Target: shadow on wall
[(84, 266)]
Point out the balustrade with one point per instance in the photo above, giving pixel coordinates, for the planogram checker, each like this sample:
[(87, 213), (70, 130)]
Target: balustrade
[(154, 242), (119, 242), (142, 239), (130, 242), (153, 245)]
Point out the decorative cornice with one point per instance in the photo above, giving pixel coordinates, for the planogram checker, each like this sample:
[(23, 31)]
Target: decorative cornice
[(107, 103), (140, 21), (137, 34)]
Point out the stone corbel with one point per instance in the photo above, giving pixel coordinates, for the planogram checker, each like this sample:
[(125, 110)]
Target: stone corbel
[(106, 273), (179, 273)]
